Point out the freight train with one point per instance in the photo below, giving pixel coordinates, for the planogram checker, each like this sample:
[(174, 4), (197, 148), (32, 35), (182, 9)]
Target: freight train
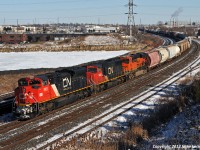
[(176, 36), (46, 92)]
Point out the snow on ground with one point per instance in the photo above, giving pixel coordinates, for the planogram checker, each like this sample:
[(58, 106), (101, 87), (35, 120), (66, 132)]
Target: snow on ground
[(27, 60), (136, 114), (182, 130), (101, 40)]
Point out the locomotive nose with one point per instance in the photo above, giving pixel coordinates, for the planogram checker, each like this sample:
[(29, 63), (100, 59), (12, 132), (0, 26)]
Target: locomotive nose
[(22, 94), (22, 97)]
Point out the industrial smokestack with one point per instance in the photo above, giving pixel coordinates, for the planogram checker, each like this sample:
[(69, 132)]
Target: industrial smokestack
[(175, 15), (177, 12)]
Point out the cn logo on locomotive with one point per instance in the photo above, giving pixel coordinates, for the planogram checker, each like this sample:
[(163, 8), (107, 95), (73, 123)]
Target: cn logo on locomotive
[(110, 70), (67, 82)]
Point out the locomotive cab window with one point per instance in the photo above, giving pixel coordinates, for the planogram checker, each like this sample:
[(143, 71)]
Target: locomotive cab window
[(92, 70), (23, 83), (44, 83), (135, 60), (33, 82), (98, 69), (126, 61)]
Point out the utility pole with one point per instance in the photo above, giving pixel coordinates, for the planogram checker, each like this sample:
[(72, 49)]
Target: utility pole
[(131, 20), (98, 21), (17, 25)]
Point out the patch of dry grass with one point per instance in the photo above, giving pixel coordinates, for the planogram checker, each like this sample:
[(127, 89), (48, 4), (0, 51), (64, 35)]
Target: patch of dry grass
[(8, 82), (194, 91)]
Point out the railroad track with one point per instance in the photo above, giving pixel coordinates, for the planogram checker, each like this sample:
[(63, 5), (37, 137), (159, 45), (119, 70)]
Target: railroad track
[(99, 121), (167, 41), (7, 98), (12, 135)]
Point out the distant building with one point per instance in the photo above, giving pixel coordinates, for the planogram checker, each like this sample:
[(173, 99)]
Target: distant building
[(17, 29), (60, 38), (13, 38), (99, 29), (1, 28), (24, 29), (6, 29), (179, 23)]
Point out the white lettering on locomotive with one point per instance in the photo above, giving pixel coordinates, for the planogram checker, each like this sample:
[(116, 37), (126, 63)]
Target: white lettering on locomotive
[(40, 94), (67, 82), (110, 70)]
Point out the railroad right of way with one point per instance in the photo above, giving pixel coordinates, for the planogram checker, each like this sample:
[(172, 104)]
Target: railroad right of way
[(122, 92)]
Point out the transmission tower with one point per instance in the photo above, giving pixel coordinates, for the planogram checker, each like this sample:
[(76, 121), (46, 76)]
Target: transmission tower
[(131, 20)]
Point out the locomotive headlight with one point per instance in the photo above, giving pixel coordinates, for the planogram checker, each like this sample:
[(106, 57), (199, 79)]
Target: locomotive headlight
[(18, 110), (23, 110)]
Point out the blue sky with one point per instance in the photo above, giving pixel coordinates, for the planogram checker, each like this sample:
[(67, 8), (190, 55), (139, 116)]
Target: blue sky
[(93, 11)]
